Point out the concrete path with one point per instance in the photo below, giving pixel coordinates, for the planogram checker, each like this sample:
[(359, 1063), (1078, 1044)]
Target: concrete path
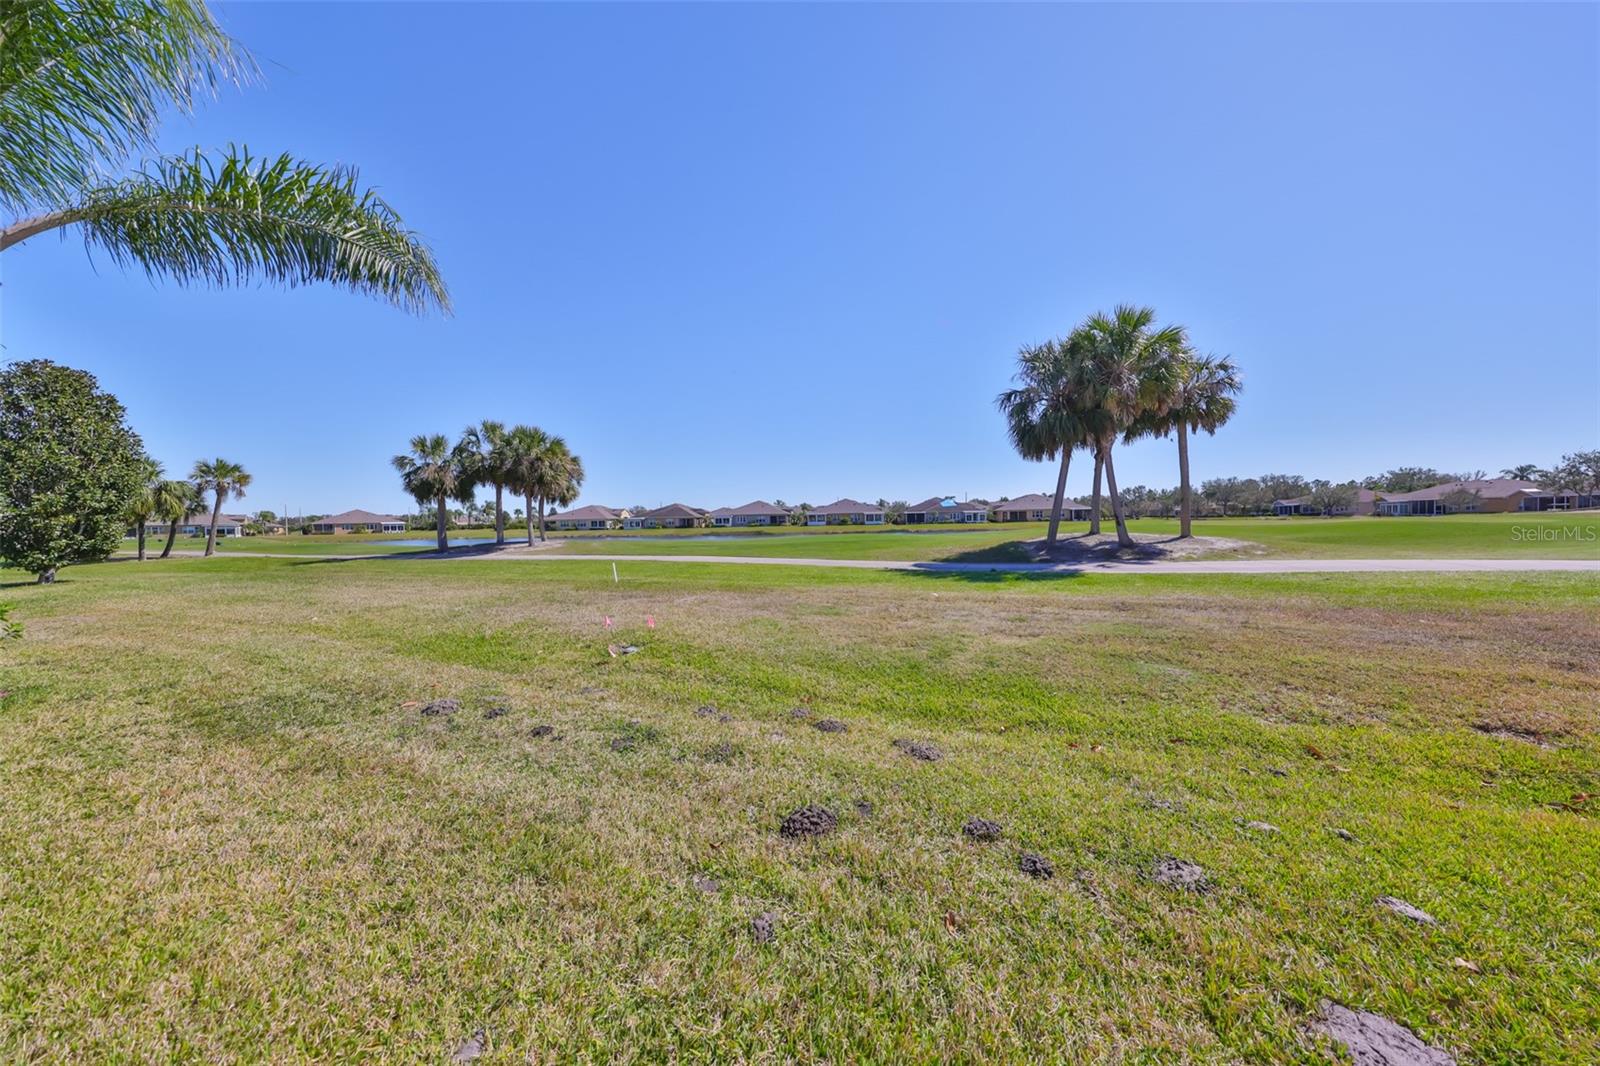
[(1192, 566)]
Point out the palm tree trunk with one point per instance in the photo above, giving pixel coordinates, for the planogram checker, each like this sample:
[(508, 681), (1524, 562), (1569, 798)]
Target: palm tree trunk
[(541, 519), (499, 516), (1061, 492), (1094, 504), (141, 540), (1183, 482), (211, 535), (527, 517), (1124, 538), (441, 524), (172, 536)]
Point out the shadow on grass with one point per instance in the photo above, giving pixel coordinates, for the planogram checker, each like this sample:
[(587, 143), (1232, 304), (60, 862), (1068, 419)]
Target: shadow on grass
[(977, 576)]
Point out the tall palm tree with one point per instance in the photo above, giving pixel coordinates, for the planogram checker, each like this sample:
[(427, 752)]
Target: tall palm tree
[(544, 470), (142, 505), (488, 447), (1130, 373), (175, 501), (83, 87), (1202, 397), (224, 480), (1523, 472), (1043, 416), (434, 472)]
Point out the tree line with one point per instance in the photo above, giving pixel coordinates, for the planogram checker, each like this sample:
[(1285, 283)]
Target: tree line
[(1116, 377), (522, 459)]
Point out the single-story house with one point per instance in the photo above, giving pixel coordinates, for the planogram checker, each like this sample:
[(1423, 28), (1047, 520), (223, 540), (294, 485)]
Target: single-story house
[(591, 517), (1495, 495), (1560, 501), (1366, 504), (846, 512), (1036, 507), (199, 525), (672, 516), (358, 521), (754, 513), (946, 509)]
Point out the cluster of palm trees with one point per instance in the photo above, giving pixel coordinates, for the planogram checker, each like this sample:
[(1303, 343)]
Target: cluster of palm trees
[(168, 500), (525, 460), (1117, 376)]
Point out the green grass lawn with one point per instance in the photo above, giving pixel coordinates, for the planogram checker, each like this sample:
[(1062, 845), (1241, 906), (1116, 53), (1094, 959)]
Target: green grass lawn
[(1551, 535), (231, 834)]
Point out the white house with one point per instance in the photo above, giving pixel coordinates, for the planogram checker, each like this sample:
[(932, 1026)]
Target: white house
[(754, 513), (358, 521)]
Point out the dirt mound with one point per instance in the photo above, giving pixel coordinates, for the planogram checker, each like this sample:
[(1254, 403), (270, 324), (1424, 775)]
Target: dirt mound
[(920, 749), (497, 712), (1103, 547), (981, 829), (1374, 1040), (830, 725), (1036, 865), (542, 731), (435, 708), (809, 821), (1176, 873), (1406, 910), (764, 926)]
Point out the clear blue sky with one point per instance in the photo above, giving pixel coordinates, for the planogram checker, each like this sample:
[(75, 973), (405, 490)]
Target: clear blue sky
[(791, 250)]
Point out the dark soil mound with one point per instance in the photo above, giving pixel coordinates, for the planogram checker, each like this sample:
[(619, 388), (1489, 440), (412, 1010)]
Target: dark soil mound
[(1374, 1040), (497, 712), (542, 731), (1035, 865), (831, 725), (800, 712), (623, 743), (722, 752), (764, 926), (1176, 873), (981, 829), (706, 710), (809, 821), (920, 749), (437, 707), (708, 885), (864, 808)]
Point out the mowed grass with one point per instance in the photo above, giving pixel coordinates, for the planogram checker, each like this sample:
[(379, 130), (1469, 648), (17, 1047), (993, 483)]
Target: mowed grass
[(230, 834), (1550, 535)]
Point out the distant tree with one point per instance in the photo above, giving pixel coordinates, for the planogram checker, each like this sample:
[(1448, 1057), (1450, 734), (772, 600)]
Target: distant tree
[(224, 480), (1276, 487), (488, 445), (1201, 397), (83, 88), (1460, 500), (142, 504), (432, 472), (544, 470), (1223, 491), (894, 511), (9, 630), (1407, 479), (69, 465), (1578, 472), (1045, 410), (175, 501), (1328, 498), (266, 518), (1523, 472)]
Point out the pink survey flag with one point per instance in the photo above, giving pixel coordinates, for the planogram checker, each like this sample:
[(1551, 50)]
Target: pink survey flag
[(650, 620), (607, 622)]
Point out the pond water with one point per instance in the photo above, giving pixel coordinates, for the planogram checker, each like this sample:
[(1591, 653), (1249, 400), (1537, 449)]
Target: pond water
[(432, 542)]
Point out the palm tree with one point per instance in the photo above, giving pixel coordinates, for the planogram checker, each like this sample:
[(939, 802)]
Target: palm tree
[(1130, 373), (175, 501), (142, 506), (487, 445), (1042, 413), (434, 472), (83, 87), (224, 480), (1201, 398), (543, 469), (1523, 472)]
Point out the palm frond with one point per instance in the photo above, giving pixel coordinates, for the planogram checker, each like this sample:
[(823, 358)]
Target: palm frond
[(84, 84), (242, 219)]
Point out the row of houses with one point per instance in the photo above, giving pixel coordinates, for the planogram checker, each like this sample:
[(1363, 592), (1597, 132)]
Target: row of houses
[(935, 509), (233, 525), (1499, 495)]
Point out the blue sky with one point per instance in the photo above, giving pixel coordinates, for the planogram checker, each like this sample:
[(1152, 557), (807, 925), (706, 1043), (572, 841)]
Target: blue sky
[(791, 250)]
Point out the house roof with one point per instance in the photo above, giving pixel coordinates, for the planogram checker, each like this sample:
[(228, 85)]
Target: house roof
[(847, 506), (1036, 501), (1493, 488), (934, 503), (1362, 496), (204, 519), (673, 510), (755, 507), (357, 517), (591, 512)]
